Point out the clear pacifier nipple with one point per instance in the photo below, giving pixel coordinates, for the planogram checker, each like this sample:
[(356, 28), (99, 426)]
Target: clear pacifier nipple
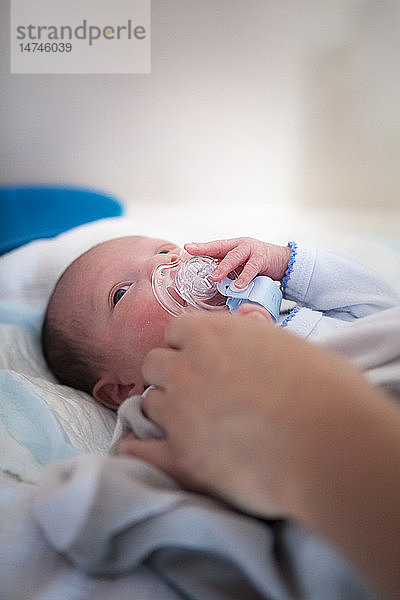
[(184, 285), (192, 278)]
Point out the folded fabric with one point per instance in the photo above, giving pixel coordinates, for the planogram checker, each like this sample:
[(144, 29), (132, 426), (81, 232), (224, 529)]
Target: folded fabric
[(111, 515), (16, 462), (88, 426), (131, 419), (31, 422)]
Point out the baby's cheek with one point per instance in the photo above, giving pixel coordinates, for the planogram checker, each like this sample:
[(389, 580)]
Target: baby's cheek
[(154, 322), (156, 314)]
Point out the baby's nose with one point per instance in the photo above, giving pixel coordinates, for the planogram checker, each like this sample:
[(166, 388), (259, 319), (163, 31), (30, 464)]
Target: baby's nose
[(163, 259), (171, 257)]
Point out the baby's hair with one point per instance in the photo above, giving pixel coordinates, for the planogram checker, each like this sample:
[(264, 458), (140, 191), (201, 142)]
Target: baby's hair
[(68, 354), (69, 358)]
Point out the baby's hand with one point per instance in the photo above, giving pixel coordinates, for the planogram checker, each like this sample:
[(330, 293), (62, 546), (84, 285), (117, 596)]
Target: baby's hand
[(256, 258)]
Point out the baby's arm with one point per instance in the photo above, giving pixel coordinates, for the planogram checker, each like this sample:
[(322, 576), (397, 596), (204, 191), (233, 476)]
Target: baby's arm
[(254, 256), (337, 284), (331, 282)]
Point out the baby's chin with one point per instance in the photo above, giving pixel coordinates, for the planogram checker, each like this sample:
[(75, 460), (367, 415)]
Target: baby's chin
[(254, 311)]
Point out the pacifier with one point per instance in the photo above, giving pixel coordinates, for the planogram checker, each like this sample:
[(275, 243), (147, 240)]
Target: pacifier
[(184, 286)]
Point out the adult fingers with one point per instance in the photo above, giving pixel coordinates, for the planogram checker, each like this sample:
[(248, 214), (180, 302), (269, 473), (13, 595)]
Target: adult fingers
[(153, 452), (254, 311), (157, 366), (195, 329), (161, 455), (154, 405)]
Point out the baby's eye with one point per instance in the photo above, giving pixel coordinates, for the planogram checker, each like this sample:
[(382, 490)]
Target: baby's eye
[(164, 251), (119, 293)]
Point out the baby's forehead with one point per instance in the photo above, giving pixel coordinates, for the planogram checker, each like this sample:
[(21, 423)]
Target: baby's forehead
[(94, 256), (106, 250), (109, 246), (84, 270), (108, 253)]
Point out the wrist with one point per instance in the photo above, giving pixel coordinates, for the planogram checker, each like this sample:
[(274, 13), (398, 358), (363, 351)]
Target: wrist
[(349, 493), (285, 259), (331, 470)]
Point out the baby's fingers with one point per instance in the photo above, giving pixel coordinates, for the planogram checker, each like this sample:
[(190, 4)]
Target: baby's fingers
[(234, 254), (215, 248), (234, 259), (250, 270)]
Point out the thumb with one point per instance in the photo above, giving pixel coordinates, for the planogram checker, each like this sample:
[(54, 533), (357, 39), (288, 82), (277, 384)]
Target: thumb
[(154, 452), (254, 311)]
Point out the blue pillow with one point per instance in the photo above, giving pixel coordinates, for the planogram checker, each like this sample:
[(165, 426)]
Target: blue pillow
[(31, 212)]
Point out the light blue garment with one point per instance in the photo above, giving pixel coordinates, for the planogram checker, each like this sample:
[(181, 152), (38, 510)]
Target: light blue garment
[(31, 422), (333, 290)]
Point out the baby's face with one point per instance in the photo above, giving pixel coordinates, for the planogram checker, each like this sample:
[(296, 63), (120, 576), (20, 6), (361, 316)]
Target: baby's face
[(112, 286)]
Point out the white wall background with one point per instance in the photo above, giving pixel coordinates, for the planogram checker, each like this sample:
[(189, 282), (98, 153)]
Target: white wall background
[(282, 103)]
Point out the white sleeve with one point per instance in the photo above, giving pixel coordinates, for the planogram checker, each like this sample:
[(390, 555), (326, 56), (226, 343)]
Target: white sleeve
[(373, 344), (338, 285)]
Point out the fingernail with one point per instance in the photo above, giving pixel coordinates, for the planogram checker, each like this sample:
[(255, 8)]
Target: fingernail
[(239, 283)]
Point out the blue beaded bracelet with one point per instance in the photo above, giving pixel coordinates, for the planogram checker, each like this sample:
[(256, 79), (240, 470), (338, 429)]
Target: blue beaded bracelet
[(289, 270), (290, 316)]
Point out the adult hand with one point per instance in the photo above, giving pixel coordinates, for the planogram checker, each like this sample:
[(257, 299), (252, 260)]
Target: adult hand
[(273, 424), (235, 417)]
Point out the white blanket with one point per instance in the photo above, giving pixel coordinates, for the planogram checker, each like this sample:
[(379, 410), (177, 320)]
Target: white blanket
[(137, 535)]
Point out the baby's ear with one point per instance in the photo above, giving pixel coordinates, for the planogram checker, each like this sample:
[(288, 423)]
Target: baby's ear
[(110, 393)]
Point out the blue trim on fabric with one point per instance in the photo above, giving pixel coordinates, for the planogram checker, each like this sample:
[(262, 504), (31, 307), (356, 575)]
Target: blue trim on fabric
[(290, 316), (31, 422), (289, 270)]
